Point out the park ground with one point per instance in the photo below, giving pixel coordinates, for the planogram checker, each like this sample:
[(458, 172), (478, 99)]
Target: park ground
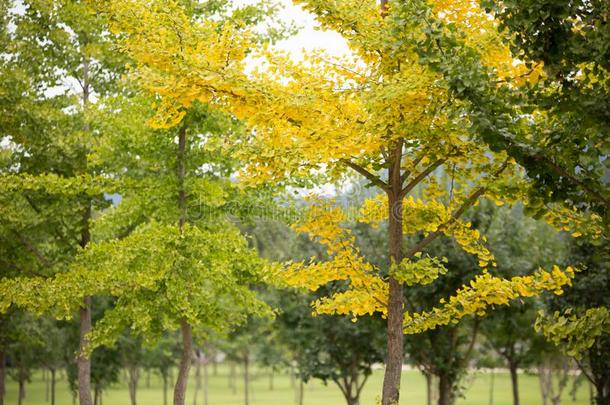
[(477, 391)]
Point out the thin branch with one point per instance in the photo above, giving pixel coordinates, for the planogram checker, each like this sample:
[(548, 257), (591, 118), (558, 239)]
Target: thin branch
[(519, 76), (421, 177), (370, 176), (361, 385), (33, 249), (475, 331), (562, 172), (454, 217)]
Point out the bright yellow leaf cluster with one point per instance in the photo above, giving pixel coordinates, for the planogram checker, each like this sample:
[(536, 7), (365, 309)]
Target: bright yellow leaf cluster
[(366, 292), (488, 291), (426, 217)]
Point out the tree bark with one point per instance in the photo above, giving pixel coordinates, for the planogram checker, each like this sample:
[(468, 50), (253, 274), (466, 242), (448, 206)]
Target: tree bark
[(205, 382), (491, 386), (246, 379), (514, 379), (445, 390), (429, 388), (2, 376), (97, 395), (165, 377), (83, 362), (395, 337), (134, 377), (185, 363), (232, 373), (301, 391), (47, 385), (21, 397), (197, 376), (53, 381)]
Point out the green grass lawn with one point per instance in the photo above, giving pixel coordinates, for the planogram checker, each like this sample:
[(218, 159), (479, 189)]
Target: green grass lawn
[(413, 391)]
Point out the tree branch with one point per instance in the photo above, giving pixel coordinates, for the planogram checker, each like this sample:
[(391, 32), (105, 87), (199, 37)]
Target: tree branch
[(454, 217), (475, 331), (421, 177), (33, 250), (573, 179), (370, 176)]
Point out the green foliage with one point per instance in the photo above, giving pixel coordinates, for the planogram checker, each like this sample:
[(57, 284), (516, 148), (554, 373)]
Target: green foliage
[(558, 133), (573, 334)]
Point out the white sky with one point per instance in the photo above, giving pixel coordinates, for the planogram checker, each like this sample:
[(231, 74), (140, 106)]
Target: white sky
[(309, 37)]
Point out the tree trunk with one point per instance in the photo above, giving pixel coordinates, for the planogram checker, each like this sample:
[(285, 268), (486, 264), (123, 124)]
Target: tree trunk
[(394, 356), (53, 380), (2, 376), (232, 373), (205, 383), (47, 385), (134, 377), (165, 377), (491, 386), (246, 379), (97, 395), (185, 363), (514, 379), (271, 381), (429, 388), (301, 391), (83, 362), (197, 376), (445, 390), (21, 397), (293, 379)]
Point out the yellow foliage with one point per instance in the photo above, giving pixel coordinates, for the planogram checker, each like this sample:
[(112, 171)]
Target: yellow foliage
[(366, 293), (487, 291)]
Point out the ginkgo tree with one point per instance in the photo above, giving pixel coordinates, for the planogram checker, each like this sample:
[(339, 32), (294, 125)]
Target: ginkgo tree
[(378, 113), (56, 60)]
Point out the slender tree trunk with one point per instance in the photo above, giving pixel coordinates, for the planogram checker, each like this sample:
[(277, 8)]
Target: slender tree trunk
[(544, 387), (232, 374), (147, 378), (301, 391), (514, 379), (21, 397), (429, 388), (293, 380), (2, 376), (206, 383), (197, 376), (246, 379), (165, 377), (271, 381), (53, 381), (98, 395), (491, 386), (185, 363), (395, 337), (47, 385), (134, 377), (185, 328), (83, 362)]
